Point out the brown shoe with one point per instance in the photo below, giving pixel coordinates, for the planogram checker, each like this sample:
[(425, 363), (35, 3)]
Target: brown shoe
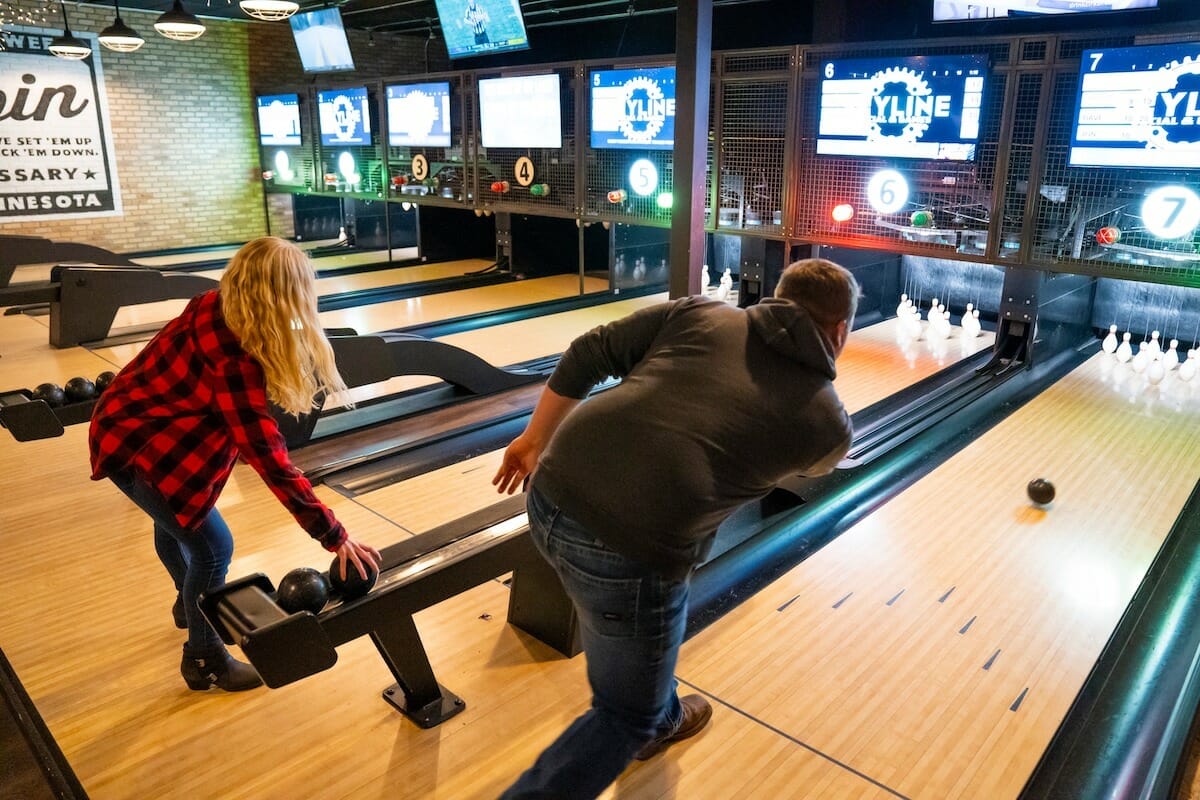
[(696, 714)]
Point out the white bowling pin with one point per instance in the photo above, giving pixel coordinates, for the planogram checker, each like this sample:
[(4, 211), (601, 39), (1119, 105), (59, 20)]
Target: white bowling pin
[(902, 305), (1155, 372), (1143, 358), (1170, 358), (1154, 345), (1187, 370), (1109, 345), (1125, 349)]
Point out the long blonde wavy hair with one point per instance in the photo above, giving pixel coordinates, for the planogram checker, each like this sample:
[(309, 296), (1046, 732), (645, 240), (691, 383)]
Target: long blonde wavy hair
[(269, 298)]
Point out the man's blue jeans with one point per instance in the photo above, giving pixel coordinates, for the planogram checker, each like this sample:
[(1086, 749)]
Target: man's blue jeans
[(196, 560), (632, 622)]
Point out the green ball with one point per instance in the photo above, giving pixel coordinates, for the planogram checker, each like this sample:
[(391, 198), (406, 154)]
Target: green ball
[(921, 219)]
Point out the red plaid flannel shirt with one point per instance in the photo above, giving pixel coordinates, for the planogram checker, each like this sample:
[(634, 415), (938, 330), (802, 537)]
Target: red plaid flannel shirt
[(181, 412)]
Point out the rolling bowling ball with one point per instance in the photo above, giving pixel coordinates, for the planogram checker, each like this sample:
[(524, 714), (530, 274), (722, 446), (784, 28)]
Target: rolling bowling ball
[(79, 390), (353, 586), (104, 380), (302, 589), (52, 393), (1040, 491)]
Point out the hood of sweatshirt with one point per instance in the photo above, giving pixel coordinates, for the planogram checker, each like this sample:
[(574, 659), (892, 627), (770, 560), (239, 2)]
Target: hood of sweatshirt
[(789, 330)]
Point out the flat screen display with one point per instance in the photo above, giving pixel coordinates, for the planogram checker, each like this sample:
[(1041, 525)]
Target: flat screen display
[(418, 114), (279, 119), (925, 107), (954, 10), (633, 108), (321, 41), (479, 27), (1138, 107), (345, 116), (520, 111)]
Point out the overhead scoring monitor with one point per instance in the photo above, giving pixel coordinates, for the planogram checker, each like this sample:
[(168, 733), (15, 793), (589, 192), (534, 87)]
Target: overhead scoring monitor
[(344, 116), (1138, 107), (925, 107), (633, 108), (520, 111), (418, 114), (279, 119)]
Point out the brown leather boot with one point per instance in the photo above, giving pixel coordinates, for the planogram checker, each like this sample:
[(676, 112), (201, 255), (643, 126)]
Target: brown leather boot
[(696, 714), (204, 669)]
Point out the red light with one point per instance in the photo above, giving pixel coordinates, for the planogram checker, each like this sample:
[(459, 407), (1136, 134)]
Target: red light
[(1108, 235), (500, 186), (843, 212), (617, 196)]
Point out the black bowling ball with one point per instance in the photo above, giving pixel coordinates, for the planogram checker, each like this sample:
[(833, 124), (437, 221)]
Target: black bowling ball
[(353, 586), (104, 380), (1040, 491), (302, 589), (79, 390), (51, 393)]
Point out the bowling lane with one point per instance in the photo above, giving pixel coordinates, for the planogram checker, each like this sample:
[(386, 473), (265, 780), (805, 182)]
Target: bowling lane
[(872, 367), (151, 314), (416, 310), (936, 646)]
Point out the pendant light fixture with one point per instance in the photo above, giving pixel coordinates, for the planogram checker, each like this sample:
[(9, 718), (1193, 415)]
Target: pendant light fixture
[(69, 45), (119, 36), (178, 24), (269, 10)]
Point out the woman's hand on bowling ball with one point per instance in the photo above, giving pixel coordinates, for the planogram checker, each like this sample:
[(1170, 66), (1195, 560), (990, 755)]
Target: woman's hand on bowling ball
[(519, 461), (359, 555)]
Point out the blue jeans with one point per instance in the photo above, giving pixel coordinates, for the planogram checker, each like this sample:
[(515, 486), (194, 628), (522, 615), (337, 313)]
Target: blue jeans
[(196, 560), (632, 622)]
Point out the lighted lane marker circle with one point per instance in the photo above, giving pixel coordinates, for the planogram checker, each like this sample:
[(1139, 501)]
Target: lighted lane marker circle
[(887, 191), (523, 170), (420, 167), (1171, 212), (643, 177)]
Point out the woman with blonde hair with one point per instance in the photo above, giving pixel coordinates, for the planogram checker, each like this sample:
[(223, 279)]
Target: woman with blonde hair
[(171, 426)]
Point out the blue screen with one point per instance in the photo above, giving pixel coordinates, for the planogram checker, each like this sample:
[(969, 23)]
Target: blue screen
[(917, 107), (479, 27), (345, 116), (418, 114), (1138, 107), (321, 41), (279, 119), (633, 108), (949, 10)]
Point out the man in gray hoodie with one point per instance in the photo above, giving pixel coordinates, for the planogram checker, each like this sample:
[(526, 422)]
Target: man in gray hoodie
[(715, 406)]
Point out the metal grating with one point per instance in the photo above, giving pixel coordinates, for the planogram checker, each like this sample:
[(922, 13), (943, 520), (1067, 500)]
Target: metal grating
[(367, 158), (298, 160), (737, 63), (545, 184), (1072, 49), (998, 52), (1033, 50), (1073, 228), (443, 178), (956, 194), (753, 133), (1022, 141)]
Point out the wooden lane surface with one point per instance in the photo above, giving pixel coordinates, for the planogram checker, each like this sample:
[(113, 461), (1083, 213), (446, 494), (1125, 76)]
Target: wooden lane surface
[(416, 310), (937, 645), (149, 313)]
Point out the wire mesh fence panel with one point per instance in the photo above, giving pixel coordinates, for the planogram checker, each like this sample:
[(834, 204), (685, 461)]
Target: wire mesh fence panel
[(425, 121), (753, 129)]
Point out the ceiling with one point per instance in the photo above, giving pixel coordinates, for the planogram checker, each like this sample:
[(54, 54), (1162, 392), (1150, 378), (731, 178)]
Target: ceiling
[(420, 16)]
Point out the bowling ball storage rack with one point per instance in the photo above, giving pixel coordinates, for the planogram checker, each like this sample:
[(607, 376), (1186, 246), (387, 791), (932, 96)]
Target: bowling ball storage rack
[(28, 419), (414, 575)]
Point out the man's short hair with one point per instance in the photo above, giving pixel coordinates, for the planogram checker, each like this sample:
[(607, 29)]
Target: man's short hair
[(828, 291)]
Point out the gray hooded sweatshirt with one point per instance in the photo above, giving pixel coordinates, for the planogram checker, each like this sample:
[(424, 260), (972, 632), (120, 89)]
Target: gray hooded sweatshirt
[(716, 405)]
